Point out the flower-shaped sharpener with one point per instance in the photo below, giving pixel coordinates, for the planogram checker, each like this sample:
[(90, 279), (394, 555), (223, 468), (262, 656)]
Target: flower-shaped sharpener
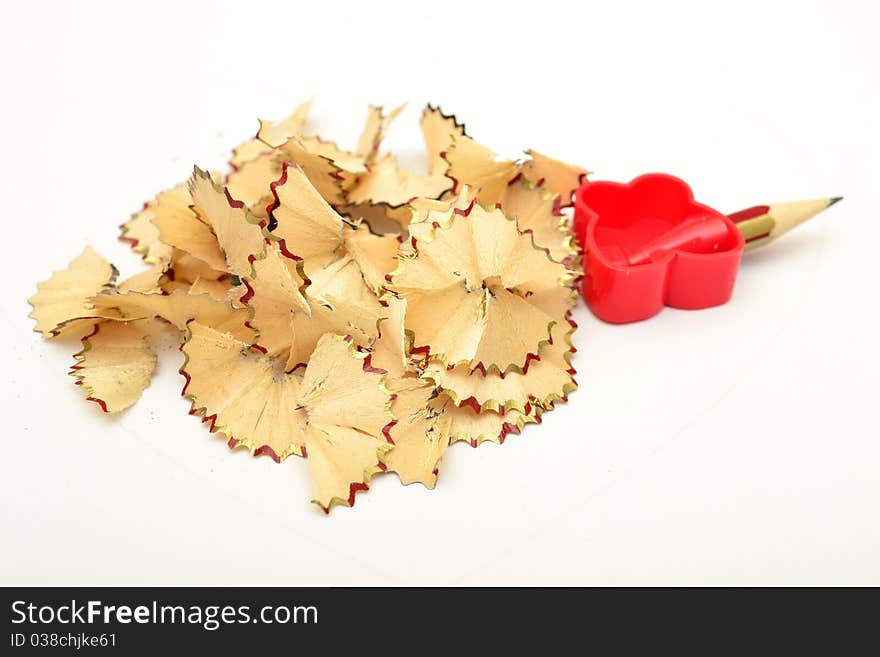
[(648, 243)]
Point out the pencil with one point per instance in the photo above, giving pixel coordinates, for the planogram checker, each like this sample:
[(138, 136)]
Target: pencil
[(762, 224)]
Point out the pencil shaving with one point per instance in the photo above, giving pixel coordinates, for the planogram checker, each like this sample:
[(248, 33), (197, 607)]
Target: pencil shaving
[(332, 305)]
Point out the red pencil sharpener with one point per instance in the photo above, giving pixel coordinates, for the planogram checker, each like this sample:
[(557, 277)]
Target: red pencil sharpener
[(648, 243)]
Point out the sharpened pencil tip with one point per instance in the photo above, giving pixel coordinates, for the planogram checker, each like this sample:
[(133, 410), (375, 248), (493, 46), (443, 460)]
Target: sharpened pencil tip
[(834, 200)]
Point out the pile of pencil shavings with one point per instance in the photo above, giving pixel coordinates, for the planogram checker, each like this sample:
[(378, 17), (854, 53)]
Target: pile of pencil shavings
[(333, 306)]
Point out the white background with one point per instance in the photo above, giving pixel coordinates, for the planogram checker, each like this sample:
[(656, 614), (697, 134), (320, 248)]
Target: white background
[(737, 445)]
